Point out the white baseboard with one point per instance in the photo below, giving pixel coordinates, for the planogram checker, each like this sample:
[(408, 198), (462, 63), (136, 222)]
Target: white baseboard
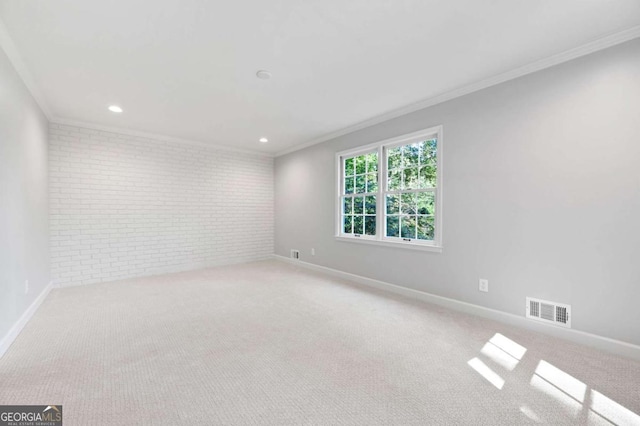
[(8, 339), (599, 342)]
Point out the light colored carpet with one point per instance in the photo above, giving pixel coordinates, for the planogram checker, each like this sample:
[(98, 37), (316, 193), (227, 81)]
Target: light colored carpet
[(270, 344)]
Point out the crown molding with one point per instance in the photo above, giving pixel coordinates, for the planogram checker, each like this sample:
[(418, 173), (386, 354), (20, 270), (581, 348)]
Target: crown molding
[(155, 136), (567, 55), (7, 44), (9, 47)]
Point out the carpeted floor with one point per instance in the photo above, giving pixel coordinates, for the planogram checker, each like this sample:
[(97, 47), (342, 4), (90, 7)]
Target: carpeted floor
[(270, 344)]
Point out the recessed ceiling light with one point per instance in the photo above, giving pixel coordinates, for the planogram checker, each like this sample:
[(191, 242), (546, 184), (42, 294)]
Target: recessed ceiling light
[(263, 75), (264, 140), (115, 108)]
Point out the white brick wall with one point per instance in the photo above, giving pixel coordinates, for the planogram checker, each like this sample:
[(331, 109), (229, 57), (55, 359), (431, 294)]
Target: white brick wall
[(124, 206)]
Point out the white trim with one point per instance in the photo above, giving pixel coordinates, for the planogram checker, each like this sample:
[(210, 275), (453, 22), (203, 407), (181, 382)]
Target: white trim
[(417, 245), (359, 150), (9, 47), (337, 208), (439, 212), (155, 136), (381, 224), (8, 339), (598, 342), (567, 55)]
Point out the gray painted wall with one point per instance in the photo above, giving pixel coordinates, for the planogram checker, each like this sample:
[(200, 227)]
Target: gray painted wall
[(541, 196), (24, 253)]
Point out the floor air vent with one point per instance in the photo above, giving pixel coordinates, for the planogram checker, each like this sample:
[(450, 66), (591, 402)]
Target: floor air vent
[(549, 312)]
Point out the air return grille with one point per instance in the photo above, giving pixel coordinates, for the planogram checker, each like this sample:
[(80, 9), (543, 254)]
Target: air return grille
[(549, 312)]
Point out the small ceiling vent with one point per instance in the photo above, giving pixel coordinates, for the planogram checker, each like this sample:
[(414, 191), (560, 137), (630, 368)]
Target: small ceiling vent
[(549, 312)]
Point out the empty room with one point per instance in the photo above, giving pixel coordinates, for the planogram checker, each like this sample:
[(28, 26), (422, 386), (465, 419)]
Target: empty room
[(319, 212)]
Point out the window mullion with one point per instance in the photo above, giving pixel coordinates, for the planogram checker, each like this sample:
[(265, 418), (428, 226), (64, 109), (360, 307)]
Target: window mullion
[(412, 191), (380, 203)]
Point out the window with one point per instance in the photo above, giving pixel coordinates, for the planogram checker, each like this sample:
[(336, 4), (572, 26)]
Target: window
[(390, 192), (360, 191)]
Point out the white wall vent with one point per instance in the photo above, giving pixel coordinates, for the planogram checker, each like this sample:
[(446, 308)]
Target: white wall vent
[(295, 254), (549, 312)]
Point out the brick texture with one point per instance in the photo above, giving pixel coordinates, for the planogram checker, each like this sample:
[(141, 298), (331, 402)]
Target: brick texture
[(124, 206)]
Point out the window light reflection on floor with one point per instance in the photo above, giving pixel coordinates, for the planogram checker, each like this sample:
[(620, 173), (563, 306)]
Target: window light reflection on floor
[(612, 411), (509, 346), (563, 381), (501, 350), (571, 406), (499, 356), (575, 396), (527, 411), (491, 376)]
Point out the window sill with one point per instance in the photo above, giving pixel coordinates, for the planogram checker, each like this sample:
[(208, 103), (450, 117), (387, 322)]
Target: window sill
[(400, 245)]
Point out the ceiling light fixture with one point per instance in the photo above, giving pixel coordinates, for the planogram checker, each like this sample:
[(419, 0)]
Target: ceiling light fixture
[(115, 108), (263, 75), (264, 140)]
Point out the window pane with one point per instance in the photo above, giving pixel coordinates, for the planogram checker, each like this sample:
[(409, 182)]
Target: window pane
[(357, 205), (393, 204), (426, 203), (372, 162), (393, 227), (348, 205), (408, 226), (394, 179), (425, 227), (428, 152), (372, 182), (348, 185), (361, 164), (394, 159), (410, 155), (347, 221), (370, 225), (409, 203), (427, 177), (410, 178), (348, 167), (358, 225), (370, 204), (423, 180), (360, 184)]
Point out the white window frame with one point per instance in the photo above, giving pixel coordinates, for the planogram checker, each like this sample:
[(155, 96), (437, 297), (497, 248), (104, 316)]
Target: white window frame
[(380, 238)]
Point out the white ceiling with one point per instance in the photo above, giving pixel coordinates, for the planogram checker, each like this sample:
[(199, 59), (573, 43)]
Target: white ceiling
[(186, 68)]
